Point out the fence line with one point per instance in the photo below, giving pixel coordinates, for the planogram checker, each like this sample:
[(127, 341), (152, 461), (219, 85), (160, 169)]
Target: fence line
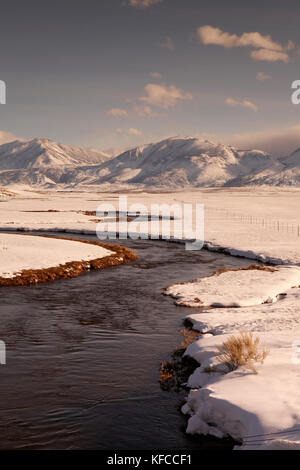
[(276, 225)]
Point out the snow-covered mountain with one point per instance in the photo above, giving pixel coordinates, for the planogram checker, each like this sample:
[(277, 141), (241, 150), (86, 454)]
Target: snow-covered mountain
[(285, 172), (174, 163), (180, 162), (43, 161), (42, 153)]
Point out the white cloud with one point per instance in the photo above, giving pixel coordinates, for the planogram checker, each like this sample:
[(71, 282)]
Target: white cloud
[(143, 3), (143, 110), (244, 103), (155, 75), (7, 137), (130, 131), (231, 102), (270, 56), (167, 44), (268, 49), (211, 35), (133, 131), (163, 96), (261, 76), (117, 112), (278, 142)]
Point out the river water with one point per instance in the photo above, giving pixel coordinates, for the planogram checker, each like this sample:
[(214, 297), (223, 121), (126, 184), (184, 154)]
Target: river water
[(83, 355)]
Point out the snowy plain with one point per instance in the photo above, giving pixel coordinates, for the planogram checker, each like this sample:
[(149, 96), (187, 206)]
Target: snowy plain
[(251, 287)]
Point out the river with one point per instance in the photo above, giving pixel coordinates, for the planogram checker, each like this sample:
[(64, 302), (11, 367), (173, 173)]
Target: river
[(83, 355)]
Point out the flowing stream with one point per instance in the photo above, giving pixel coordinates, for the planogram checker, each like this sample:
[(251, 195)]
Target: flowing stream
[(83, 355)]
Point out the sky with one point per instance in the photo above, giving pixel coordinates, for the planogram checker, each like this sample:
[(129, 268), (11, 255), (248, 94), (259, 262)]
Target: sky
[(113, 74)]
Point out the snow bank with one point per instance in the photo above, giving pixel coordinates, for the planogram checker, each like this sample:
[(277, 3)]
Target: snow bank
[(262, 411), (236, 288), (22, 252), (283, 315), (255, 409)]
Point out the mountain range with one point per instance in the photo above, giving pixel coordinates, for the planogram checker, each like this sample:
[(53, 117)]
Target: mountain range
[(43, 162), (174, 163)]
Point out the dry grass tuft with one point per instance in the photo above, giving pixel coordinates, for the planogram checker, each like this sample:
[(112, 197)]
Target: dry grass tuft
[(189, 337), (166, 372), (243, 350)]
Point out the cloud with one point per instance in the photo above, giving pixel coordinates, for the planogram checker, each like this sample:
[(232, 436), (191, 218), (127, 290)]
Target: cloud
[(278, 142), (130, 131), (270, 56), (133, 131), (117, 112), (156, 75), (261, 76), (163, 96), (167, 44), (244, 103), (143, 110), (143, 3), (7, 137), (211, 35), (267, 49)]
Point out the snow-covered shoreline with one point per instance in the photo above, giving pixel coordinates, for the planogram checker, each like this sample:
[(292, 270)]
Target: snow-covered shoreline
[(28, 259), (261, 411)]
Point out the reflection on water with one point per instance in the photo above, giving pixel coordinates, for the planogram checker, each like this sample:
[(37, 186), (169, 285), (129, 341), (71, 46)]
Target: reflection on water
[(83, 355)]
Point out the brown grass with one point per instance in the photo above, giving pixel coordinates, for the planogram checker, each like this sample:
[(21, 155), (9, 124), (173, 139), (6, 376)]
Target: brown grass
[(121, 255), (243, 350), (49, 210), (259, 267), (189, 337), (89, 213), (116, 219), (166, 372)]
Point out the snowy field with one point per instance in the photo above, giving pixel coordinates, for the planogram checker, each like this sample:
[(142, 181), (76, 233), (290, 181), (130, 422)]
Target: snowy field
[(259, 410), (259, 224), (251, 287), (20, 252)]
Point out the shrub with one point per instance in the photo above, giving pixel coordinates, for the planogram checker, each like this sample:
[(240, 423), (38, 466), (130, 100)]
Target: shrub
[(243, 350)]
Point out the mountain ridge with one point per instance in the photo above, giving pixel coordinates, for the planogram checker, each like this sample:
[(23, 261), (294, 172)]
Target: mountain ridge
[(174, 163)]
